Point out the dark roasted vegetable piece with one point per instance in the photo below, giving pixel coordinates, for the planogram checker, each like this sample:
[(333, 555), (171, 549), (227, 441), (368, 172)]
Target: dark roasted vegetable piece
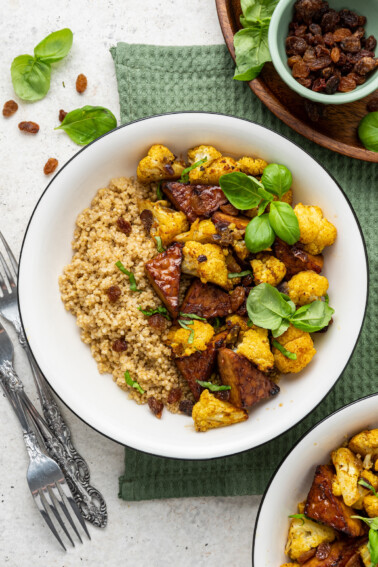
[(163, 272), (222, 221), (207, 300), (296, 259), (196, 201), (248, 384), (342, 554), (323, 506)]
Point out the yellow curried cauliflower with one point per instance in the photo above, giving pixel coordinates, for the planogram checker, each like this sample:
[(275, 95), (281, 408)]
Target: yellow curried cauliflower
[(252, 166), (207, 262), (371, 478), (209, 174), (348, 468), (370, 504), (201, 152), (256, 347), (290, 565), (365, 443), (268, 269), (316, 231), (178, 338), (365, 555), (209, 412), (336, 488), (306, 287), (167, 222), (240, 249), (305, 534), (160, 163), (200, 231), (237, 320), (298, 342)]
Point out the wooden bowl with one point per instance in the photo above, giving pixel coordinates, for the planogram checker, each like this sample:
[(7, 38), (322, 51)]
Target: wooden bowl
[(336, 130)]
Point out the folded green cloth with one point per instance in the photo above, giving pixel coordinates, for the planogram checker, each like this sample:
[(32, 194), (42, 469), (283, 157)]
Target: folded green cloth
[(154, 80)]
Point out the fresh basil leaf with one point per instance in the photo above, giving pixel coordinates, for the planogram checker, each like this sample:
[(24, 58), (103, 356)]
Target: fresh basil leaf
[(284, 222), (241, 190), (371, 522), (373, 546), (256, 10), (251, 50), (130, 382), (159, 245), (239, 274), (88, 123), (368, 131), (161, 310), (159, 192), (259, 234), (326, 298), (288, 300), (185, 174), (277, 179), (192, 316), (281, 329), (130, 275), (55, 46), (184, 324), (367, 485), (213, 387), (30, 77), (312, 317), (283, 350), (266, 307), (262, 206)]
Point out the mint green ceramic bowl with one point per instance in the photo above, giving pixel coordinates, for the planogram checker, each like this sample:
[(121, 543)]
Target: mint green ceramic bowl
[(278, 31)]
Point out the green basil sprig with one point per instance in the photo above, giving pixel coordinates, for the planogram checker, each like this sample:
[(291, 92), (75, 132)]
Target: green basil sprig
[(284, 222), (130, 382), (88, 123), (270, 309), (284, 351), (277, 179), (373, 537), (243, 191), (185, 174), (159, 244), (213, 387), (259, 234), (31, 75)]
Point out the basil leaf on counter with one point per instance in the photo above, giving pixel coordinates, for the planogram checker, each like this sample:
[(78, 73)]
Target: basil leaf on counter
[(88, 123), (130, 275), (259, 234), (243, 191), (277, 179), (284, 222), (256, 10), (130, 382), (185, 174), (285, 352), (213, 387), (30, 77), (312, 317), (266, 307), (251, 50), (55, 46)]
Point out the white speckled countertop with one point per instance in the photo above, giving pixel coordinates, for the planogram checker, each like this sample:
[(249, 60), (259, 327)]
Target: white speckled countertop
[(188, 532)]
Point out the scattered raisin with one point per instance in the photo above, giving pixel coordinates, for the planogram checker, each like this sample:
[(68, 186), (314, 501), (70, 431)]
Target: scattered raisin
[(155, 406), (186, 407), (295, 45), (174, 395), (370, 44), (9, 108), (346, 85), (29, 127), (119, 345), (223, 395), (81, 83), (247, 280), (237, 297), (158, 322), (364, 66), (147, 219), (335, 54), (372, 105), (202, 258), (62, 114), (50, 166), (124, 226), (332, 84), (301, 70), (323, 551), (114, 293)]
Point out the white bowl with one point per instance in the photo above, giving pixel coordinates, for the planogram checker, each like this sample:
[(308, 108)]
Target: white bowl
[(292, 481), (54, 337)]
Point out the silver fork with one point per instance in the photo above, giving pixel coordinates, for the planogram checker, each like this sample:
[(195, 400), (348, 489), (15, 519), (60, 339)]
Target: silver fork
[(45, 478), (90, 501)]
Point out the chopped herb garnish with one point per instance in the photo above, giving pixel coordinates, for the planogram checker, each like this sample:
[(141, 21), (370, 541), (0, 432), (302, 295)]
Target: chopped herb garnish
[(184, 324), (192, 316), (367, 485), (130, 275), (302, 517), (213, 387), (250, 323), (159, 192), (185, 174), (189, 321), (130, 382), (285, 352), (161, 310), (239, 274), (159, 244), (217, 323), (326, 298), (191, 337)]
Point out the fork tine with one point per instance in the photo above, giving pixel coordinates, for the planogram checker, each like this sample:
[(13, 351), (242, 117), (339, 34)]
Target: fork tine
[(59, 496), (63, 486), (8, 273), (50, 499), (3, 285), (12, 259), (41, 505)]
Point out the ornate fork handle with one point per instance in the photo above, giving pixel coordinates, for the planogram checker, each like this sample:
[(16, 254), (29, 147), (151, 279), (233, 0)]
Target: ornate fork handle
[(90, 501)]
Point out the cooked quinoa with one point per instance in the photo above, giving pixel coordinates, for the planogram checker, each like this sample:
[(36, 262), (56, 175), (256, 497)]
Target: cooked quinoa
[(98, 244)]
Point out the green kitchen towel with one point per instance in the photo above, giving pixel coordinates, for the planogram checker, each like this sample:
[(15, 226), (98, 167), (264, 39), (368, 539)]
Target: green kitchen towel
[(154, 80)]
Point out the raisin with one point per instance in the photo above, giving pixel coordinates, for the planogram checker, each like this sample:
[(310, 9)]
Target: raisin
[(360, 80), (346, 85), (351, 44), (319, 85), (300, 70), (119, 345), (319, 63), (309, 38), (9, 108), (321, 51), (359, 33), (62, 114), (327, 73), (328, 39), (305, 82), (329, 21), (309, 55), (114, 293), (237, 298), (318, 40), (223, 395), (335, 54), (340, 34), (370, 44), (124, 226), (295, 45), (364, 66), (230, 209), (307, 10), (158, 322), (351, 20), (315, 29), (155, 406), (202, 258), (147, 219), (323, 551), (30, 127), (300, 31), (186, 407), (50, 166), (81, 83), (247, 280), (372, 105), (314, 110), (174, 395), (332, 84)]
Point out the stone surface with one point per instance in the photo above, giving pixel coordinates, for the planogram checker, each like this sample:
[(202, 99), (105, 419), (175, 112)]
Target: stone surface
[(195, 531)]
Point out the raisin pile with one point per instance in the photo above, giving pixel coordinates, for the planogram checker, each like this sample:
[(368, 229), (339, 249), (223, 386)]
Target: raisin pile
[(327, 50)]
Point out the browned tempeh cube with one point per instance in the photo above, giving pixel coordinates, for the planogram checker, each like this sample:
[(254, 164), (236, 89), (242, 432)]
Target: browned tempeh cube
[(296, 259), (341, 554), (196, 201), (207, 300)]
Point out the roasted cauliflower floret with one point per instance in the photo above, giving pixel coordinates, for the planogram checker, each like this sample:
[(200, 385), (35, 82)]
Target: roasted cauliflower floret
[(370, 504), (348, 468), (167, 222), (298, 342), (365, 443), (200, 231), (201, 152), (240, 249), (209, 412), (252, 166), (256, 347), (207, 262), (209, 173), (371, 478), (237, 320), (306, 287), (160, 163), (365, 555), (316, 231), (268, 269), (178, 337), (304, 535)]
